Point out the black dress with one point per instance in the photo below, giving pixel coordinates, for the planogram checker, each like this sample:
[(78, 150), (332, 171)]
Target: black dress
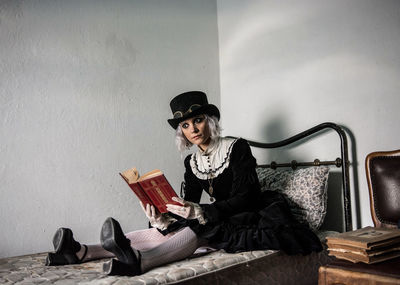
[(241, 218)]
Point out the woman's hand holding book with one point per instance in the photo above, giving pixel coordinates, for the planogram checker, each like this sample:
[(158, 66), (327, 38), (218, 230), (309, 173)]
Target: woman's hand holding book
[(156, 219), (187, 210)]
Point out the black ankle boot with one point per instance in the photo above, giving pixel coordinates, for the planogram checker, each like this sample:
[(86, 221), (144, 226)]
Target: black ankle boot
[(63, 241), (65, 249), (113, 239)]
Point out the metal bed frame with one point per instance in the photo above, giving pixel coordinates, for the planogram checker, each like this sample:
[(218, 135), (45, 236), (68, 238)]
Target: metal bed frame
[(342, 162)]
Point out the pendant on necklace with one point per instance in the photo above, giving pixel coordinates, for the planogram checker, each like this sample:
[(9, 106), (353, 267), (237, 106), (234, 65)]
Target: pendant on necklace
[(210, 191), (210, 188)]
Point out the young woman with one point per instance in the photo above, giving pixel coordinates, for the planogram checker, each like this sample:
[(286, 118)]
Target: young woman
[(239, 217)]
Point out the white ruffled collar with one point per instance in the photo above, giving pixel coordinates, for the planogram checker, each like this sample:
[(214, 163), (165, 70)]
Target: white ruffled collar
[(214, 160)]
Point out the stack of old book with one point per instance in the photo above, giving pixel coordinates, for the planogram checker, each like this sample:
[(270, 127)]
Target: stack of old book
[(368, 245)]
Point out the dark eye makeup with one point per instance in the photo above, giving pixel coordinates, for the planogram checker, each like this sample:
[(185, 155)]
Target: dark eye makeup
[(195, 120), (198, 120)]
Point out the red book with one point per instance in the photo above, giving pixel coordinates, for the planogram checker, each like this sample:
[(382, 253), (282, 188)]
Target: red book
[(151, 188)]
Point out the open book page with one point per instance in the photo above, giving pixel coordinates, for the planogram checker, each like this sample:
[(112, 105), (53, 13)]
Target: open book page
[(150, 174), (130, 175)]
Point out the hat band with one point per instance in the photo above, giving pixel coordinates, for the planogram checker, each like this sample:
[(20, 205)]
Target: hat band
[(180, 114)]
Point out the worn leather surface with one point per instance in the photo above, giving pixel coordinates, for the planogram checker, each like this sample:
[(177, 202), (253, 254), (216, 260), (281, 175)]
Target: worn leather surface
[(385, 180)]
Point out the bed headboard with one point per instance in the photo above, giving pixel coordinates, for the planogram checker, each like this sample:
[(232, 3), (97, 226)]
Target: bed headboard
[(340, 162)]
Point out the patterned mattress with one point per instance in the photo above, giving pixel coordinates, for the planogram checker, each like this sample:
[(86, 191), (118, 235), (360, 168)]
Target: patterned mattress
[(218, 267), (252, 267), (255, 267)]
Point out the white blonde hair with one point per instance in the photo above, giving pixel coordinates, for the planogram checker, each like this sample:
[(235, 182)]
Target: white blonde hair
[(213, 125)]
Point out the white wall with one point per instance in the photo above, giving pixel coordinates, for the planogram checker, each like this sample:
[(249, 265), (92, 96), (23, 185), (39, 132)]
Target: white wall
[(85, 86), (84, 93), (286, 66)]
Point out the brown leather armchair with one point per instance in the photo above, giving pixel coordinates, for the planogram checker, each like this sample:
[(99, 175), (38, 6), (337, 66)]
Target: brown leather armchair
[(383, 176)]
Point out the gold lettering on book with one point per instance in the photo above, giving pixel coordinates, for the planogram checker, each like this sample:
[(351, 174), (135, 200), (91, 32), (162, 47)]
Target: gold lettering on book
[(161, 194)]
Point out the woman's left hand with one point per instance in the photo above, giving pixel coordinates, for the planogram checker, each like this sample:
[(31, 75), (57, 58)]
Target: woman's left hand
[(186, 210)]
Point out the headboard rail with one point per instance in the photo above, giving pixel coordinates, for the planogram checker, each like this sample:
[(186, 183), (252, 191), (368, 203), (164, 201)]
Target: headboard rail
[(294, 164), (342, 162)]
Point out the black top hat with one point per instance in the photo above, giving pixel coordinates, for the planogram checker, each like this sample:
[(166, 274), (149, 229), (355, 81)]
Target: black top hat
[(189, 104)]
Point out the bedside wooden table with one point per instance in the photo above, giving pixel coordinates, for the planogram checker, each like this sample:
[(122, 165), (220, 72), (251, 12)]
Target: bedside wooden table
[(346, 272)]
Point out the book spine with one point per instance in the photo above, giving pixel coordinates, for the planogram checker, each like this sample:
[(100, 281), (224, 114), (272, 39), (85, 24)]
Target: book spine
[(155, 194), (140, 193)]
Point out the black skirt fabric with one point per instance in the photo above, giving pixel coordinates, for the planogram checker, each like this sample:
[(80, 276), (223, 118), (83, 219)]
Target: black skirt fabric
[(272, 227)]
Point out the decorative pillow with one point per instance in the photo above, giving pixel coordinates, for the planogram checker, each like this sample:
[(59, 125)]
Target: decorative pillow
[(305, 190)]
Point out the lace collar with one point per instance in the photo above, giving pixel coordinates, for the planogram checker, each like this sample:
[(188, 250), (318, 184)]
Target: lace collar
[(214, 160)]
